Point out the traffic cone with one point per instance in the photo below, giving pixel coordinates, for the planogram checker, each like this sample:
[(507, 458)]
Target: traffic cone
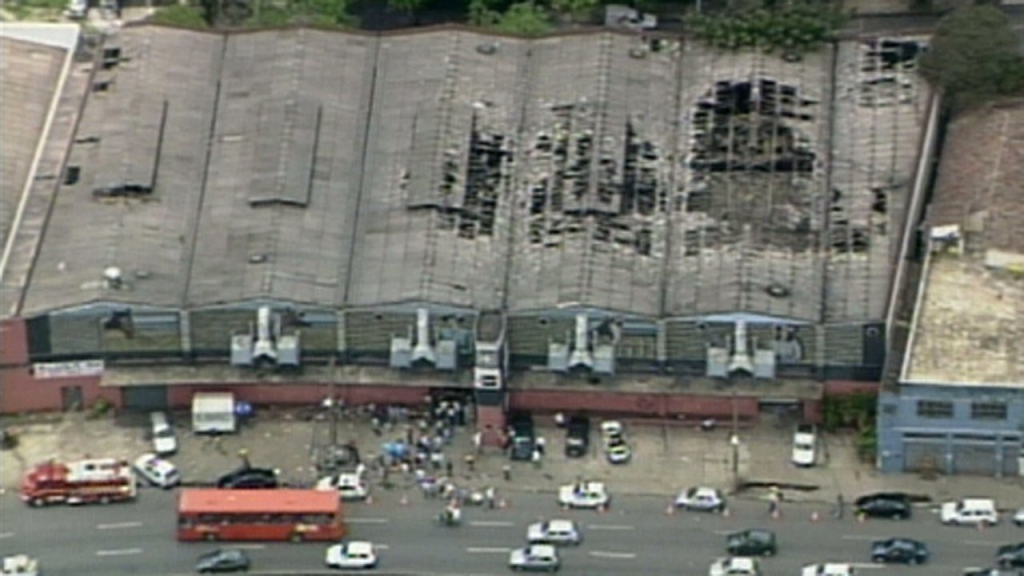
[(502, 503), (725, 512), (369, 499), (815, 517), (861, 517), (404, 501), (776, 514), (601, 509), (670, 510)]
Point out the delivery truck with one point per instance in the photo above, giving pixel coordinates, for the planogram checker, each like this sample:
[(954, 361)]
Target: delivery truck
[(214, 413)]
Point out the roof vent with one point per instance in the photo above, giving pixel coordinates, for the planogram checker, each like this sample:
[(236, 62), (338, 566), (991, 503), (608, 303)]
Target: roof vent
[(112, 274), (488, 48), (258, 258), (638, 53), (776, 290)]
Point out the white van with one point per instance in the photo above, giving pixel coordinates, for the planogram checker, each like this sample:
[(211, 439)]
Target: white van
[(213, 413), (970, 512), (165, 442)]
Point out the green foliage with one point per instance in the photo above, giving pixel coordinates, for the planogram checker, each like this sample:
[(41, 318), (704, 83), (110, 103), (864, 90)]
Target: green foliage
[(408, 6), (852, 411), (525, 19), (794, 29), (99, 409), (269, 17), (178, 15), (480, 13), (973, 57), (577, 9)]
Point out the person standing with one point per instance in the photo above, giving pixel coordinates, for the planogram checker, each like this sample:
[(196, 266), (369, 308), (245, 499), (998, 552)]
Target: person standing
[(541, 444), (478, 441)]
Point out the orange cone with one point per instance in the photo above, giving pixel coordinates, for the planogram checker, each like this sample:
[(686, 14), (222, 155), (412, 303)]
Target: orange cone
[(502, 503), (725, 512), (369, 499), (861, 517), (404, 501), (814, 516), (601, 509), (670, 510), (775, 514)]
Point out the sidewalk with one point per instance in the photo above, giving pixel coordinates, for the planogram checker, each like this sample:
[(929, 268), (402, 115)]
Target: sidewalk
[(666, 458)]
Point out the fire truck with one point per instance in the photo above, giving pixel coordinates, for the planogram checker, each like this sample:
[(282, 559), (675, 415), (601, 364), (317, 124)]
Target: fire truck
[(100, 480)]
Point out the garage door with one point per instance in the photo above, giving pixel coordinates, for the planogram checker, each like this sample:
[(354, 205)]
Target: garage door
[(144, 398), (1011, 461), (974, 459), (923, 456)]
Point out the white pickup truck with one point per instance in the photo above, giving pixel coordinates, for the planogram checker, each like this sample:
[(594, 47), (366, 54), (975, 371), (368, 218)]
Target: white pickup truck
[(19, 565)]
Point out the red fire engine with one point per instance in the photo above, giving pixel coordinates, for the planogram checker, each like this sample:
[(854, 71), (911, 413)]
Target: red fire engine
[(101, 480)]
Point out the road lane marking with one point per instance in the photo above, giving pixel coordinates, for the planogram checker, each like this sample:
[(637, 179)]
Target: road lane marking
[(616, 555), (118, 525), (609, 527), (866, 565), (249, 546), (980, 543), (368, 520), (492, 524), (861, 537), (121, 552), (6, 535), (488, 550), (381, 546)]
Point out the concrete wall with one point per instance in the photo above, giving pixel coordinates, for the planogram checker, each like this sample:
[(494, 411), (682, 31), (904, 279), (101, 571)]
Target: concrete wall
[(21, 392), (634, 404)]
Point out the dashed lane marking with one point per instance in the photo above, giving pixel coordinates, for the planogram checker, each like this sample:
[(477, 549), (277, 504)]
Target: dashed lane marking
[(488, 550), (249, 546), (621, 527), (492, 524), (861, 537), (615, 555), (866, 565), (118, 525), (367, 520), (121, 552), (6, 535)]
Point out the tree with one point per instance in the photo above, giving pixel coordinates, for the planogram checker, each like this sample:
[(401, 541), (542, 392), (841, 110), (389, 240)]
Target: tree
[(973, 57), (575, 9), (525, 19), (481, 14), (407, 6)]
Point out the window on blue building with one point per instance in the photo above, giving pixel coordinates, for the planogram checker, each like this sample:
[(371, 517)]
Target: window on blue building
[(934, 409), (988, 411)]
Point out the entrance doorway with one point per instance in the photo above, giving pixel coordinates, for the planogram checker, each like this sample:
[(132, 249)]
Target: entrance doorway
[(71, 398)]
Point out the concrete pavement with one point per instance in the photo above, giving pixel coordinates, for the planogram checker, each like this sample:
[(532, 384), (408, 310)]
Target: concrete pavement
[(635, 536), (667, 458)]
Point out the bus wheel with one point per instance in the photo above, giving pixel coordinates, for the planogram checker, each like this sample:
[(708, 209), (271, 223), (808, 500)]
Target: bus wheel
[(105, 500), (36, 502), (296, 537), (210, 537)]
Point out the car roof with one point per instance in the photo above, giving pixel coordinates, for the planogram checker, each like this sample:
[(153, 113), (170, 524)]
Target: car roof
[(978, 503), (560, 524), (743, 562), (359, 547), (703, 490), (542, 549)]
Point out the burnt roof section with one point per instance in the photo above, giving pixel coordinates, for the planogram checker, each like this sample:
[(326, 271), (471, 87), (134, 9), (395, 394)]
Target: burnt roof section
[(280, 199), (29, 74), (434, 212), (594, 178)]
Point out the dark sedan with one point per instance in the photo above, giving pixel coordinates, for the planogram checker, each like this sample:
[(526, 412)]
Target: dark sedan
[(1010, 556), (223, 560), (249, 478), (991, 572), (884, 505), (899, 551), (753, 542)]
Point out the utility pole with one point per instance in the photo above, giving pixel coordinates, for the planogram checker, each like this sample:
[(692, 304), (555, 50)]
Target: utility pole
[(333, 399), (734, 441)]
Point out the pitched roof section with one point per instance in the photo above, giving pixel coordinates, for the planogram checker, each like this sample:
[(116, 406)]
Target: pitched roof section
[(435, 207), (280, 200)]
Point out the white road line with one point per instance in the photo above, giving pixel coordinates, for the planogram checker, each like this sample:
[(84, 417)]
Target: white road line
[(488, 550), (118, 525), (609, 527), (616, 555), (980, 543), (866, 565), (249, 546), (381, 546), (862, 538), (6, 535), (121, 552), (367, 520), (492, 524)]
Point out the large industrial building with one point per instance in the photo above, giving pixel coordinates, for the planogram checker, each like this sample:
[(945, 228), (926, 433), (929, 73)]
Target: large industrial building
[(958, 406), (601, 221)]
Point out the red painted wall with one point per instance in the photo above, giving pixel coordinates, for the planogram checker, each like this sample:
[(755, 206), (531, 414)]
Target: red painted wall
[(20, 392), (13, 343), (490, 421), (302, 394), (846, 387), (634, 404), (812, 411)]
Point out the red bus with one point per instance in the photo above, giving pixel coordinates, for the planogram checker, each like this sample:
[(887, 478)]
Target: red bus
[(281, 514)]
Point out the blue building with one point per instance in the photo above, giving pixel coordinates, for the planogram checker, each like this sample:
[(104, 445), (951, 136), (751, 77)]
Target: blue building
[(958, 407)]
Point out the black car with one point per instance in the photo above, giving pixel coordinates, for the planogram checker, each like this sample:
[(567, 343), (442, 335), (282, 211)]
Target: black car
[(223, 560), (991, 572), (753, 542), (249, 478), (577, 437), (522, 442), (884, 505), (1010, 556), (899, 551)]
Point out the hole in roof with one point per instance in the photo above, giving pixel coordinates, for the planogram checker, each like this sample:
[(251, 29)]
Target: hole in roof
[(776, 290), (258, 258)]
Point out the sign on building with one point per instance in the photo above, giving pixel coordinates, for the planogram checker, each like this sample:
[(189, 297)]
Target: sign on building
[(67, 369)]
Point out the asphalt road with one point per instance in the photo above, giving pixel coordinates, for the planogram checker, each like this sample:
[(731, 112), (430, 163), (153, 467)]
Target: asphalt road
[(636, 536)]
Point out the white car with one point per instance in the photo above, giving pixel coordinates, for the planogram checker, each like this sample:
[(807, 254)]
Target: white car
[(1018, 518), (20, 564), (583, 495), (805, 445), (157, 471), (535, 558), (616, 448), (735, 566), (828, 569), (349, 486), (702, 499), (970, 512), (351, 555), (554, 532)]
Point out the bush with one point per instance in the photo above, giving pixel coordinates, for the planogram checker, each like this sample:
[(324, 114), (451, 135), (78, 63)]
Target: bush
[(178, 15), (794, 29), (100, 409)]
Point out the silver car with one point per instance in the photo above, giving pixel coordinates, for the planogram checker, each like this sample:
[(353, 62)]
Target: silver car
[(559, 532), (535, 558)]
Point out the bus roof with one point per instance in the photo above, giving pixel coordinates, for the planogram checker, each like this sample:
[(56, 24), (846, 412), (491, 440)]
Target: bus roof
[(277, 501)]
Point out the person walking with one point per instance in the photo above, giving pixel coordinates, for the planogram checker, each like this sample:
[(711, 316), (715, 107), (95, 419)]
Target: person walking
[(840, 506), (470, 462), (489, 496), (541, 444), (478, 441), (506, 472)]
